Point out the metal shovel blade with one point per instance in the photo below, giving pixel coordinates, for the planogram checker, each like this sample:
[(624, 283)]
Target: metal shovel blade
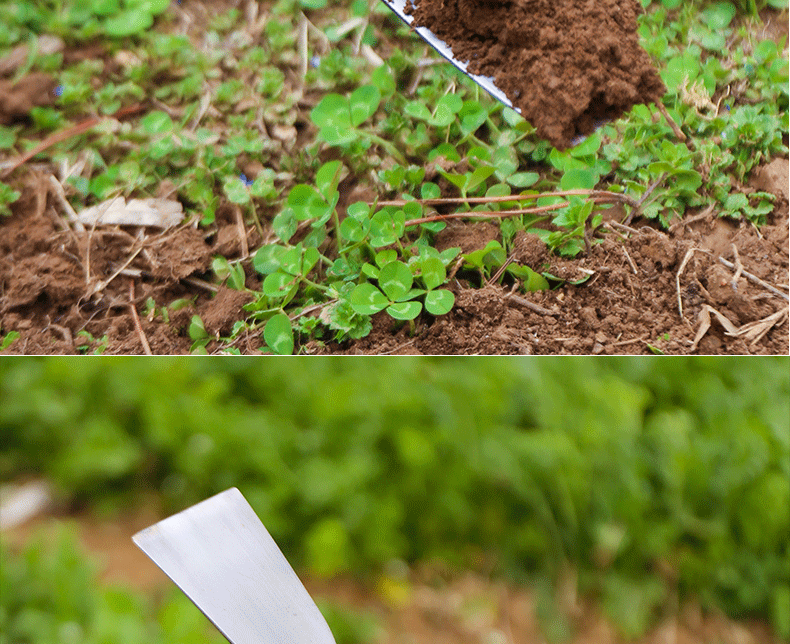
[(223, 558), (486, 82)]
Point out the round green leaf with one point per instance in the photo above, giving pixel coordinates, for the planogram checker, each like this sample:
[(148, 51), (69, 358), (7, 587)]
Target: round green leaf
[(395, 279), (277, 284), (588, 147), (279, 335), (417, 110), (439, 302), (367, 299), (404, 310), (383, 78), (578, 179), (433, 273), (332, 110), (718, 15), (128, 23), (337, 134), (235, 190), (327, 177), (197, 330), (523, 179), (353, 230), (363, 103), (156, 122)]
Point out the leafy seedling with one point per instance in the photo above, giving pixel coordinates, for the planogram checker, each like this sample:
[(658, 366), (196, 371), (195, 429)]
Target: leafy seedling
[(393, 294)]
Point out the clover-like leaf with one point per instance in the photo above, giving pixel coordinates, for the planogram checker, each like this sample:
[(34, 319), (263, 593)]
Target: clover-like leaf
[(367, 299), (404, 310), (156, 122), (446, 109), (363, 103), (332, 110), (354, 230), (433, 273), (278, 334), (278, 284), (439, 302), (327, 178), (306, 203), (386, 227), (417, 110), (395, 279)]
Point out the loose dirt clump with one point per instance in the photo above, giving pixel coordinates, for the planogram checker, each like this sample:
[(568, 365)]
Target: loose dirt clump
[(17, 98), (567, 65), (70, 291)]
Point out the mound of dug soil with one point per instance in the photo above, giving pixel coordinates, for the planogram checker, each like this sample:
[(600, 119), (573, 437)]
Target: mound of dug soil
[(566, 64)]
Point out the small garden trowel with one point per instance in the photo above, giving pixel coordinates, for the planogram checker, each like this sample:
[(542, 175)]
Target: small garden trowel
[(487, 83), (223, 558)]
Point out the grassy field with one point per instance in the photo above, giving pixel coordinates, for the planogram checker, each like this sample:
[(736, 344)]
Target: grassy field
[(619, 487)]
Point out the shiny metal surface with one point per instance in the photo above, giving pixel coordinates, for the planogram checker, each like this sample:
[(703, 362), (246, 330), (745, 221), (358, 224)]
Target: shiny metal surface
[(223, 558), (439, 45)]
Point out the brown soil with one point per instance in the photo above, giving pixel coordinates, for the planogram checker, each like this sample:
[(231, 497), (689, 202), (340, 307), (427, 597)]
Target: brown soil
[(434, 605), (18, 98), (567, 65), (51, 289), (629, 304)]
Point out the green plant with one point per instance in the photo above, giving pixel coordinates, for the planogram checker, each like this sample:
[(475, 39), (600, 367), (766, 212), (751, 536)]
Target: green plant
[(7, 196), (51, 594), (8, 339), (611, 468)]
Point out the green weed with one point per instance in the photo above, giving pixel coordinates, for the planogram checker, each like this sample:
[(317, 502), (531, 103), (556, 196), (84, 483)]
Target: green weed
[(360, 124)]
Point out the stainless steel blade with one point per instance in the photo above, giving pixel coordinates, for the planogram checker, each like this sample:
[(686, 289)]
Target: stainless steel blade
[(223, 558), (486, 82)]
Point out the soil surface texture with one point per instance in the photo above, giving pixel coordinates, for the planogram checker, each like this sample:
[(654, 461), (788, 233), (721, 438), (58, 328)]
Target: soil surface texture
[(63, 292), (567, 65)]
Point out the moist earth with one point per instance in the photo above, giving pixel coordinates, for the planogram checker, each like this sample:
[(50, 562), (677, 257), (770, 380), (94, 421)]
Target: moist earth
[(566, 65)]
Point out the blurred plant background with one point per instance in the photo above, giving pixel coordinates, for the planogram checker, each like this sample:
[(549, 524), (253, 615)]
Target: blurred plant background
[(637, 486)]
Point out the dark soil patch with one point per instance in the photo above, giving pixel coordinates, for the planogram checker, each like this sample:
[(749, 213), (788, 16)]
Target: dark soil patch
[(51, 289), (18, 98), (56, 283), (567, 65), (629, 304)]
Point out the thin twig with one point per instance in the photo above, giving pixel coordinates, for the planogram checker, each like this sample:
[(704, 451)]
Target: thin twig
[(602, 195), (738, 269), (74, 130), (60, 195), (476, 214), (637, 209), (398, 348), (617, 224), (678, 132), (196, 281), (530, 305), (136, 318), (685, 261), (753, 278), (245, 249), (302, 45), (699, 216), (311, 309), (625, 342), (502, 269), (630, 261), (101, 285)]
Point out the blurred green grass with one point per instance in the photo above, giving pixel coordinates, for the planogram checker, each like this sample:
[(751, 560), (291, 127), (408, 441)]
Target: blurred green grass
[(616, 467)]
